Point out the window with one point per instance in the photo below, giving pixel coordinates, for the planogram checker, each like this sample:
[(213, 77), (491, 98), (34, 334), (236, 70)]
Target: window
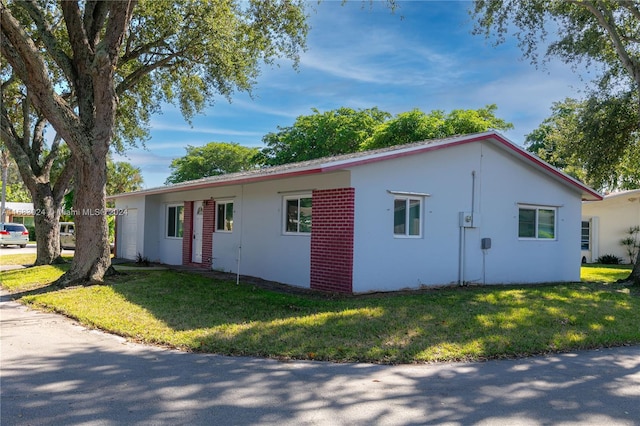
[(406, 216), (297, 212), (224, 216), (175, 221), (585, 235), (537, 222)]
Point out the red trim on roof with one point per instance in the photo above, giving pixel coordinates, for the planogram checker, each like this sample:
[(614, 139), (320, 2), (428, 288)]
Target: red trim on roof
[(333, 165)]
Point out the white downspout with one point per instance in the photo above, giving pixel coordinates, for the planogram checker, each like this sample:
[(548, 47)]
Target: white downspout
[(463, 232)]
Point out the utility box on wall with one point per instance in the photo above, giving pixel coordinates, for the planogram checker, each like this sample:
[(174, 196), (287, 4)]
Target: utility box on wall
[(485, 243), (469, 219)]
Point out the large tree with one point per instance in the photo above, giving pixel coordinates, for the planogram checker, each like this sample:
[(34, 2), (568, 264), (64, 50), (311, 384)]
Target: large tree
[(604, 32), (45, 168), (82, 63), (321, 134), (415, 125), (212, 159), (569, 138)]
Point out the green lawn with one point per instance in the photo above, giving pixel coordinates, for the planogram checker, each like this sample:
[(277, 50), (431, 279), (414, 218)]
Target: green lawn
[(197, 313)]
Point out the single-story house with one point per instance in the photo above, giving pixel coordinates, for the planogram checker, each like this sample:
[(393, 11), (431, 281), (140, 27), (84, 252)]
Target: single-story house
[(18, 213), (606, 223), (467, 209)]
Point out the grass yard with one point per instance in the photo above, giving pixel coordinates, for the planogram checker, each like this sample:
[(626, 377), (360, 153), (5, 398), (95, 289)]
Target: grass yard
[(197, 313)]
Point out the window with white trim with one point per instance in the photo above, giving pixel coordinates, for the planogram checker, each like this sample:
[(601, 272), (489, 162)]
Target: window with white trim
[(297, 214), (585, 235), (407, 216), (175, 221), (224, 216), (537, 222)]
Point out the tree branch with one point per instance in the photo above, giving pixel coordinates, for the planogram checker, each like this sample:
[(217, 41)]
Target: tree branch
[(49, 40), (26, 61), (133, 78), (95, 14), (606, 20), (47, 163), (64, 180)]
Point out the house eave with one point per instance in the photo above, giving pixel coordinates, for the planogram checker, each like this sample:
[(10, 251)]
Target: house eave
[(345, 162)]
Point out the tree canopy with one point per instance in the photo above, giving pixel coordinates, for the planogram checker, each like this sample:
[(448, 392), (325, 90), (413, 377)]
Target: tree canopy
[(322, 134), (212, 159), (83, 63), (570, 139), (345, 130), (602, 32), (415, 125)]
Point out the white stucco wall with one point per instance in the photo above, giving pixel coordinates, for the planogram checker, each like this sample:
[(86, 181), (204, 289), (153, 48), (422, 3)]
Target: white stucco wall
[(265, 251), (614, 215), (132, 206), (382, 262)]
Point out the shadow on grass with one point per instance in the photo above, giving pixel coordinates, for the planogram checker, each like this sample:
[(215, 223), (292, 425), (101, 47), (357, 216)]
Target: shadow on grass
[(42, 277), (449, 324)]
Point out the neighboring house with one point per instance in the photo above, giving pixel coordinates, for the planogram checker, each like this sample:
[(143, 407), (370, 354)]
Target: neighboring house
[(18, 213), (474, 208), (606, 223)]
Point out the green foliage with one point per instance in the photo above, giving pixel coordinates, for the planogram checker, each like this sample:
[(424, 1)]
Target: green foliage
[(344, 130), (605, 32), (416, 126), (212, 159), (16, 190), (187, 53), (123, 177), (609, 259), (321, 134), (594, 140), (632, 243)]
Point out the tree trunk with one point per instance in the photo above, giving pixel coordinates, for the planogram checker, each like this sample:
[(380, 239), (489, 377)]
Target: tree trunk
[(47, 222), (635, 272), (92, 258)]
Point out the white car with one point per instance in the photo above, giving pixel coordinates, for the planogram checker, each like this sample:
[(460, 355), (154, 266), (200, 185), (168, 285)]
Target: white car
[(13, 234)]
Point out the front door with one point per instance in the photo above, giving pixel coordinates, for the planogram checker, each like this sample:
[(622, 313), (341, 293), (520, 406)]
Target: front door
[(198, 217)]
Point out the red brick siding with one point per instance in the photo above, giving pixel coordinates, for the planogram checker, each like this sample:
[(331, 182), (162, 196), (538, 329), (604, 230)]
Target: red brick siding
[(187, 233), (332, 240), (208, 227)]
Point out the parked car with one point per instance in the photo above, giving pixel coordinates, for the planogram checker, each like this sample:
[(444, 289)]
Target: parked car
[(67, 235), (13, 234)]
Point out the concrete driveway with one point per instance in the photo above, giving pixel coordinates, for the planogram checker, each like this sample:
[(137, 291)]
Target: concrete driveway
[(55, 372)]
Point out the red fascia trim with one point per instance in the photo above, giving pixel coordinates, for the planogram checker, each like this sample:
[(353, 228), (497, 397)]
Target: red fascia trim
[(486, 137), (495, 137), (238, 181), (548, 167)]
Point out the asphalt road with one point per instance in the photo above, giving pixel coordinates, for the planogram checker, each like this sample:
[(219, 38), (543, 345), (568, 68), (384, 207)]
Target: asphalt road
[(55, 372), (30, 249)]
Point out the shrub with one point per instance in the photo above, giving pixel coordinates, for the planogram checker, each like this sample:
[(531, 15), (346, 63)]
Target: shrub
[(609, 259), (32, 232), (142, 260)]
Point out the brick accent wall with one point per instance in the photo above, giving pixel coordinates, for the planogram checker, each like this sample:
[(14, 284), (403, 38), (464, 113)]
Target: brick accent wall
[(208, 228), (332, 236), (187, 233)]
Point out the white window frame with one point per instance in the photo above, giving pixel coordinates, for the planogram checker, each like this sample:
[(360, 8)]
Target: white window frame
[(225, 203), (285, 219), (166, 224), (407, 198), (537, 209)]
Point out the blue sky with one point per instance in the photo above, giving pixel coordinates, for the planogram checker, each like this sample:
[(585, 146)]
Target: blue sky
[(360, 56)]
